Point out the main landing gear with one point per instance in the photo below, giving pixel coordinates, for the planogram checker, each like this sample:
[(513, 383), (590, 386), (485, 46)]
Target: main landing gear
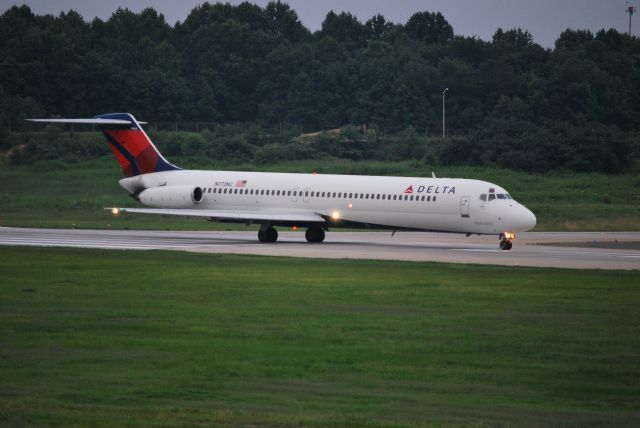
[(314, 234), (505, 240), (268, 234)]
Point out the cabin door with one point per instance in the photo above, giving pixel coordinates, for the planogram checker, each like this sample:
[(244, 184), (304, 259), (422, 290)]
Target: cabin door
[(464, 206)]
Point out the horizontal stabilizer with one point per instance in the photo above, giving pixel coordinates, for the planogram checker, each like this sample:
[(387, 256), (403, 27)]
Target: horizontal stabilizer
[(308, 217), (91, 121)]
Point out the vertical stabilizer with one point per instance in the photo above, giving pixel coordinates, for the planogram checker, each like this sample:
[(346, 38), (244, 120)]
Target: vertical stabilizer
[(132, 147)]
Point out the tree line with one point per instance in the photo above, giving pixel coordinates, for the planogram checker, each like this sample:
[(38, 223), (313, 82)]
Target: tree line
[(574, 106)]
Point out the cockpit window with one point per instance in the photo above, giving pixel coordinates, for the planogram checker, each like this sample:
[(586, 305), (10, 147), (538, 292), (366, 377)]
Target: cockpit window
[(508, 196), (501, 196), (492, 196), (483, 197)]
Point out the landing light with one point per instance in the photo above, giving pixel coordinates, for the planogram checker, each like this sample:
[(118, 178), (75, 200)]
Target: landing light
[(509, 235), (335, 215), (350, 205), (115, 212)]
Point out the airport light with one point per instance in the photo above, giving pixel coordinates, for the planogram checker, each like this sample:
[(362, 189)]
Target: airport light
[(630, 10), (443, 114)]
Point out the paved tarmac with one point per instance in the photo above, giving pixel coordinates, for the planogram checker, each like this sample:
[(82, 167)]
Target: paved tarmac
[(566, 250)]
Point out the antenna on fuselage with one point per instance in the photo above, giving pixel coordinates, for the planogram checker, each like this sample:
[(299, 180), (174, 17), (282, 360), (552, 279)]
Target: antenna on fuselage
[(433, 174)]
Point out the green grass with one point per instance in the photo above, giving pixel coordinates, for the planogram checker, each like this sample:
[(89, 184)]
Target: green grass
[(52, 194), (110, 338)]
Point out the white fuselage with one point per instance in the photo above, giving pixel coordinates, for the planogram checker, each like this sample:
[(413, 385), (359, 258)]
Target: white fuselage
[(435, 204)]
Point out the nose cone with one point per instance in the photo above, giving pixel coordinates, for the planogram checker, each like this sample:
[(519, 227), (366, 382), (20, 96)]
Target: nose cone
[(527, 220)]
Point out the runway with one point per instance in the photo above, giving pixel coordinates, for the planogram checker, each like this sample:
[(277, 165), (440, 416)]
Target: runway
[(575, 251)]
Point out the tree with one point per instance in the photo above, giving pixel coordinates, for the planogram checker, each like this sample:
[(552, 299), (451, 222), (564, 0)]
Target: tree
[(344, 28), (377, 27), (572, 39), (284, 21), (429, 27)]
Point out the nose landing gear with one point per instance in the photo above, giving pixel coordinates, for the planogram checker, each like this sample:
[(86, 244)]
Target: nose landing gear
[(505, 240), (505, 244)]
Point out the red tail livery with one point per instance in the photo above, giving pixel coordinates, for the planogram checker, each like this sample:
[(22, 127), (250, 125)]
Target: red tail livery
[(132, 147)]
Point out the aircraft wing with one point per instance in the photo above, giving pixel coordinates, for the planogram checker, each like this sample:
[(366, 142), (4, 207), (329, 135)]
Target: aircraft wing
[(262, 215)]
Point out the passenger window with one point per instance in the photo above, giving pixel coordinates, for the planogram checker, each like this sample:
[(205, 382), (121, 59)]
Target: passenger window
[(384, 196), (306, 193), (434, 199), (225, 190), (483, 197), (411, 198), (428, 198), (394, 197), (351, 195), (491, 196), (378, 196), (406, 197), (423, 199), (262, 192)]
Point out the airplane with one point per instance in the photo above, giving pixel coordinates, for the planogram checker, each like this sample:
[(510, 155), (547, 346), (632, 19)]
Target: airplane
[(316, 202)]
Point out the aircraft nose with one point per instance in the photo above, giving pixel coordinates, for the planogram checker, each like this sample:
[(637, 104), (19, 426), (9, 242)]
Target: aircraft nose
[(527, 219)]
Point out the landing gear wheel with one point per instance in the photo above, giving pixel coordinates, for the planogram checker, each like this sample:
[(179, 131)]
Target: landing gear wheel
[(314, 234), (268, 235), (505, 244)]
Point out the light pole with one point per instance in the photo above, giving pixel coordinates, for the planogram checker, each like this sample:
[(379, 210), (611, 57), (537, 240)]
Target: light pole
[(443, 114)]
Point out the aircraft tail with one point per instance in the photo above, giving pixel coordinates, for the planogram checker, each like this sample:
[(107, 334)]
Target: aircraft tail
[(131, 146)]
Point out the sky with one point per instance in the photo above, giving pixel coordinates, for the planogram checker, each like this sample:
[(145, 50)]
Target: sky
[(544, 19)]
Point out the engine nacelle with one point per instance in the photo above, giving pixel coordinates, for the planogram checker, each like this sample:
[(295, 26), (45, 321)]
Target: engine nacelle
[(171, 196)]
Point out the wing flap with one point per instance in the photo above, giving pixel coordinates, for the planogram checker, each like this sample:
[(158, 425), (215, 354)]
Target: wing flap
[(307, 217)]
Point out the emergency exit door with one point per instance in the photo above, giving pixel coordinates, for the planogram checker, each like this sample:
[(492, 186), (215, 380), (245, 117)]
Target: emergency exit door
[(464, 206)]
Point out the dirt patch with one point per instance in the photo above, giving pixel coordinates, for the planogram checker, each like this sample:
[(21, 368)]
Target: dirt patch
[(12, 150)]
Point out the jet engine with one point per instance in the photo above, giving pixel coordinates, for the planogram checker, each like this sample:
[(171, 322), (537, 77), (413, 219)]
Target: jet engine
[(171, 196)]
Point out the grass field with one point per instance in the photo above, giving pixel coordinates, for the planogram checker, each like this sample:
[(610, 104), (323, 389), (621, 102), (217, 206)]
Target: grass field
[(110, 338), (52, 194)]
